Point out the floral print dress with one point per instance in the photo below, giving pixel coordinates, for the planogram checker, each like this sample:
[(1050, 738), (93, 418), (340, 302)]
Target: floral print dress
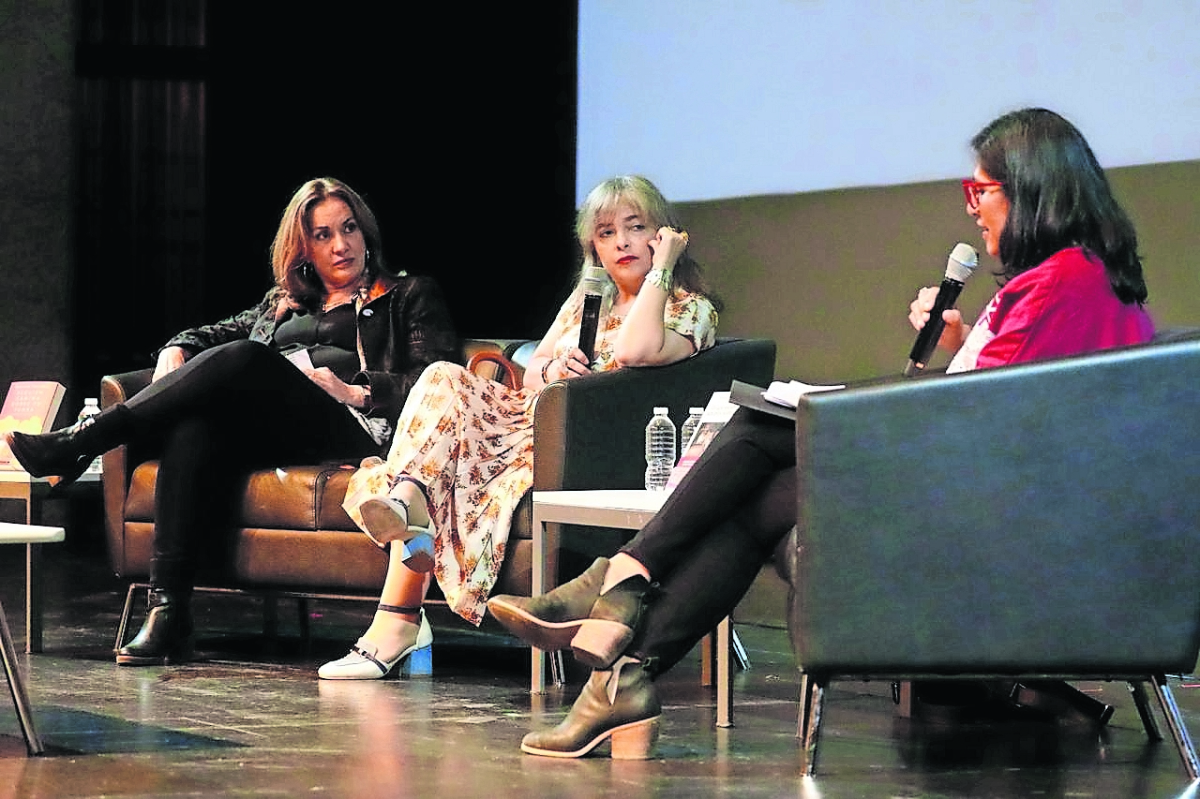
[(469, 441)]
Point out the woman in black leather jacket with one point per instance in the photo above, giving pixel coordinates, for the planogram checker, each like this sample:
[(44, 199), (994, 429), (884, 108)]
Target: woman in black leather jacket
[(357, 336)]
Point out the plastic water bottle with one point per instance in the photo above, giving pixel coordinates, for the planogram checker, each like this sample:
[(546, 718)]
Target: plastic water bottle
[(689, 427), (660, 450), (91, 407)]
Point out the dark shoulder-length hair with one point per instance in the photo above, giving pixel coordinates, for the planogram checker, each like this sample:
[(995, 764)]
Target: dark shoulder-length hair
[(644, 196), (1058, 197), (294, 273)]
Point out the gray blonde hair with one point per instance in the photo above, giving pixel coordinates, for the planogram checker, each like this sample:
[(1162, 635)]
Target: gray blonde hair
[(656, 211)]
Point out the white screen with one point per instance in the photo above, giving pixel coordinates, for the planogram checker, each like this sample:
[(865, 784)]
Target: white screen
[(728, 98)]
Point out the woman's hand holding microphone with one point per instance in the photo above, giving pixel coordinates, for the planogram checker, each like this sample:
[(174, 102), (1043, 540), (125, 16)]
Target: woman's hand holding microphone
[(565, 367), (955, 332)]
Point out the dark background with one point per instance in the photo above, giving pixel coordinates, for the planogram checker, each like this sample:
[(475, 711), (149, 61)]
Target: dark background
[(197, 122)]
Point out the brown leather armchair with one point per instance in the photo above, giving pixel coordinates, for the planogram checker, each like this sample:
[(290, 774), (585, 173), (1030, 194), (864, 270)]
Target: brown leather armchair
[(294, 539)]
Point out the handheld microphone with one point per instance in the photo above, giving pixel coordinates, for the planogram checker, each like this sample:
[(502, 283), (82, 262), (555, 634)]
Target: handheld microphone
[(593, 292), (962, 262)]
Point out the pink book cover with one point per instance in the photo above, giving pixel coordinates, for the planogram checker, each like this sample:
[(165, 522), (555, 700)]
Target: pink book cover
[(30, 406), (716, 414)]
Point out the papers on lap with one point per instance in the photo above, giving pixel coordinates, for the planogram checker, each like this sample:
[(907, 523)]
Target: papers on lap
[(301, 359), (788, 394), (29, 407)]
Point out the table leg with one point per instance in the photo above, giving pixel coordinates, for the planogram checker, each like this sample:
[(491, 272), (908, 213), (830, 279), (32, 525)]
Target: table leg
[(33, 598), (33, 571), (545, 574), (724, 673), (16, 686)]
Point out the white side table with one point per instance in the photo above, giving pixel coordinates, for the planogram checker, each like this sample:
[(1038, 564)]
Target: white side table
[(31, 491), (622, 509), (31, 536)]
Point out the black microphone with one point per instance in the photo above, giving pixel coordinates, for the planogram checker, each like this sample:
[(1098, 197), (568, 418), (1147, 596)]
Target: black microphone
[(593, 292), (962, 262)]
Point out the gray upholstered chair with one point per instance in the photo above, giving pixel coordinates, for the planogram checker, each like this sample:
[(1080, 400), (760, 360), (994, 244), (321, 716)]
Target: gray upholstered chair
[(1035, 522)]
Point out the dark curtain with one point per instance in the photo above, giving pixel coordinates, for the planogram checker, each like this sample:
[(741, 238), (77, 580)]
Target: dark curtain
[(197, 122)]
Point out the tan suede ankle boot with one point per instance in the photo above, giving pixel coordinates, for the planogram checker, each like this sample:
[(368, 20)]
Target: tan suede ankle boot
[(619, 703)]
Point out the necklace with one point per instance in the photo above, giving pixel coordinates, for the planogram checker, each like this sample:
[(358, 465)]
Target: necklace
[(336, 300)]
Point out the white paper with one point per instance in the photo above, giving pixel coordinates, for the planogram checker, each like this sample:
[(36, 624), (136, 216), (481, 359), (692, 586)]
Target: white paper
[(788, 394), (301, 359)]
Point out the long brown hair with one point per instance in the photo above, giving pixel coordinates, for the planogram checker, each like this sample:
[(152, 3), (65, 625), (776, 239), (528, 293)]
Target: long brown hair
[(294, 274)]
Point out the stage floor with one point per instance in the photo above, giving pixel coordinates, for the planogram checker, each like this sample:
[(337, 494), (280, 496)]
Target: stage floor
[(251, 719)]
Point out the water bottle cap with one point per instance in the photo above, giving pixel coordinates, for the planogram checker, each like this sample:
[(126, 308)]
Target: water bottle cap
[(91, 401), (695, 410), (661, 411)]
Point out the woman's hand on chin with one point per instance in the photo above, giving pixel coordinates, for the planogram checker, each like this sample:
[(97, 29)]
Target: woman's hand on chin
[(667, 246)]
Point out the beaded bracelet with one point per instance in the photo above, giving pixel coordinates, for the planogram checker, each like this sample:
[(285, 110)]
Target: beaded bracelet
[(659, 277)]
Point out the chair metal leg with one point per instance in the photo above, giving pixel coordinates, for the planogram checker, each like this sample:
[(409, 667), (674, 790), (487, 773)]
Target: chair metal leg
[(1138, 690), (303, 623), (126, 612), (1062, 692), (558, 669), (812, 701), (270, 611), (739, 651), (16, 686), (1183, 741)]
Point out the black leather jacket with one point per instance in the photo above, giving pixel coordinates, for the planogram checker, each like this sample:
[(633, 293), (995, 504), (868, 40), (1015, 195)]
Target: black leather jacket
[(403, 327)]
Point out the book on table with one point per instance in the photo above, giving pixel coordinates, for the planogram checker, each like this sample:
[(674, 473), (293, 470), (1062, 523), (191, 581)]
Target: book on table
[(716, 414), (30, 406)]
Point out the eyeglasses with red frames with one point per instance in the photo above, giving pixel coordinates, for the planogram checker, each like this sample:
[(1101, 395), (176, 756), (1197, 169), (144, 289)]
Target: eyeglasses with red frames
[(974, 189)]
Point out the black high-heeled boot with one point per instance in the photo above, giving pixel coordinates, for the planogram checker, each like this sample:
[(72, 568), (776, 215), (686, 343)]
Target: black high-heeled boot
[(166, 635), (66, 453)]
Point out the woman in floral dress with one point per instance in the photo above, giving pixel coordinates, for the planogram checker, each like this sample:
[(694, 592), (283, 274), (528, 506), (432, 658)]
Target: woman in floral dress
[(462, 455)]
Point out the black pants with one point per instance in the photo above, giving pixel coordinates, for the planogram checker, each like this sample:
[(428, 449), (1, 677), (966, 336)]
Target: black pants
[(713, 534), (226, 412)]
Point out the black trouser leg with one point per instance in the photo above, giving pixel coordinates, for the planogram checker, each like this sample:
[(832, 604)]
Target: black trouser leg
[(226, 412), (235, 380), (743, 458), (195, 495), (714, 574)]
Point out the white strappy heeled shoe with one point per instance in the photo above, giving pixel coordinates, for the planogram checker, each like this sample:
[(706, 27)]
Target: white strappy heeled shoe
[(365, 663)]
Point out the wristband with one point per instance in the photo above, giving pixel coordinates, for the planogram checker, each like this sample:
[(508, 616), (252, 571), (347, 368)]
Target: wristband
[(546, 370), (659, 277), (366, 396)]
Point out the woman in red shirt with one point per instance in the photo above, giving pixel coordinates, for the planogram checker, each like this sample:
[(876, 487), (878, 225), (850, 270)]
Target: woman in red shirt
[(1071, 282)]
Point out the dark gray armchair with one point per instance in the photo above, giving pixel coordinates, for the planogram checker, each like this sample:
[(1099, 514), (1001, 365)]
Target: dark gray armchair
[(1030, 523)]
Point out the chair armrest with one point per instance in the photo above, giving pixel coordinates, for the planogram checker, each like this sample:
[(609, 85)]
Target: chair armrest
[(117, 463), (502, 371), (589, 432)]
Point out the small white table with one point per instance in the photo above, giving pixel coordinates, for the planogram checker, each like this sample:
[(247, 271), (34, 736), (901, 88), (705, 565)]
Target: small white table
[(32, 536), (622, 509), (31, 491)]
